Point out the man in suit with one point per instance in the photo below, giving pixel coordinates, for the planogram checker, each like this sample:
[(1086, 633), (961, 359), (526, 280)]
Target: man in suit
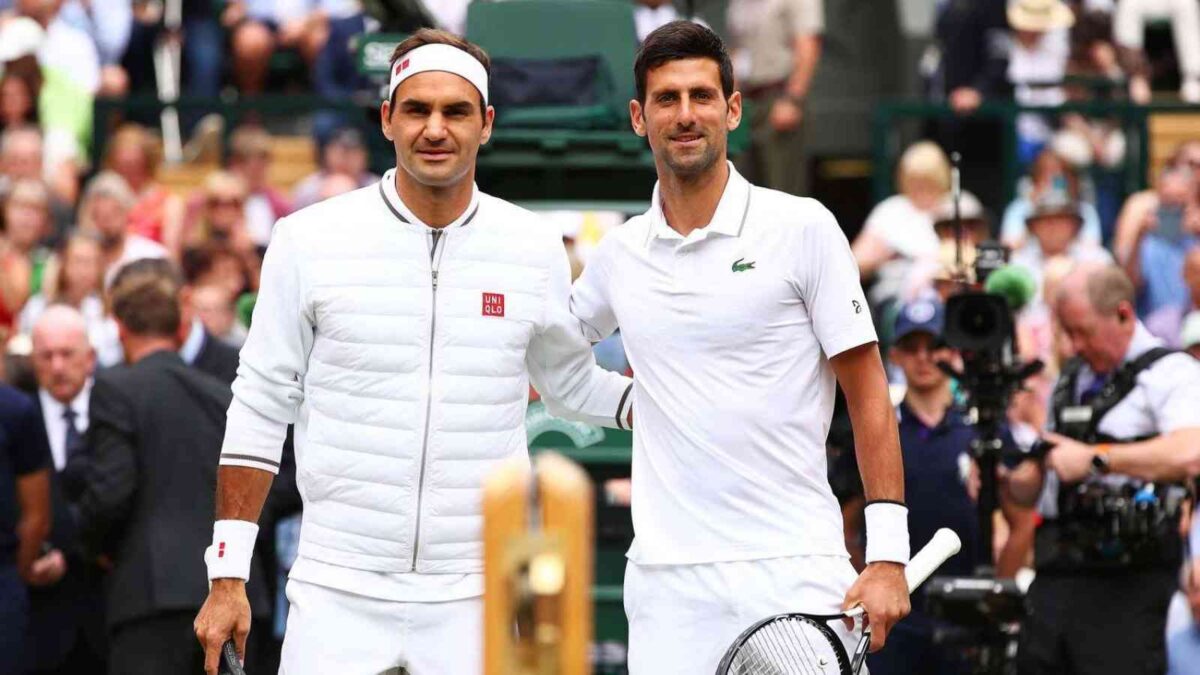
[(66, 627), (155, 433), (197, 347)]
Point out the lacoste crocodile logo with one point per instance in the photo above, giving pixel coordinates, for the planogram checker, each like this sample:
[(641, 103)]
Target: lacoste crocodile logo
[(739, 266)]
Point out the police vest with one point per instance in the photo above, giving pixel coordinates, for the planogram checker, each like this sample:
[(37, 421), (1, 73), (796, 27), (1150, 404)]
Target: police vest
[(1104, 524)]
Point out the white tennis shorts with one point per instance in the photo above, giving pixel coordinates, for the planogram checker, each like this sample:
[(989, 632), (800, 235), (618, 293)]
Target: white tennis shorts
[(682, 618), (330, 631)]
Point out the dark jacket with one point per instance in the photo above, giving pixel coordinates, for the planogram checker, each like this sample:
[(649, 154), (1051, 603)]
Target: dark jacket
[(73, 608), (973, 36), (155, 433), (217, 359)]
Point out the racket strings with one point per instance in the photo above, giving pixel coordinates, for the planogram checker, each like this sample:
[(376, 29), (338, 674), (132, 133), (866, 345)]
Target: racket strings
[(792, 646)]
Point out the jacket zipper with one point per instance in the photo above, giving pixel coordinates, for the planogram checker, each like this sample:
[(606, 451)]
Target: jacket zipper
[(433, 267)]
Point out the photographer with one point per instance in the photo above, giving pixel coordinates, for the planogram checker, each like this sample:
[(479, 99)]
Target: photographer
[(1127, 417)]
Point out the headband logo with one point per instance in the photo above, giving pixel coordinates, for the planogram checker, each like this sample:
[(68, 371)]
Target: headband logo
[(400, 67)]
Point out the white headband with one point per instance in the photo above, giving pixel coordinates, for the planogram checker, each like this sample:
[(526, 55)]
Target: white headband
[(442, 58)]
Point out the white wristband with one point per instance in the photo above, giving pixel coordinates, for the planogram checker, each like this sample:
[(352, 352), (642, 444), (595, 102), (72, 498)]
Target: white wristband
[(231, 550), (887, 532)]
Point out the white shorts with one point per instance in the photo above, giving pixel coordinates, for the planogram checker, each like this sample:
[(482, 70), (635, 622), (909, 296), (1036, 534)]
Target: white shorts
[(331, 631), (682, 618)]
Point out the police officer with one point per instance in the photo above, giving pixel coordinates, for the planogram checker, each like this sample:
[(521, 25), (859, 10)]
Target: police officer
[(1126, 413)]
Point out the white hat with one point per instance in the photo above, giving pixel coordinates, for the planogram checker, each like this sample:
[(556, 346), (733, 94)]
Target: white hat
[(1190, 334), (1039, 15), (19, 37)]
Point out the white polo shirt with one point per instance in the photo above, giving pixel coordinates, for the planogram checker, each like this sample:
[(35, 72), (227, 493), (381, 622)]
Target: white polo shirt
[(729, 332)]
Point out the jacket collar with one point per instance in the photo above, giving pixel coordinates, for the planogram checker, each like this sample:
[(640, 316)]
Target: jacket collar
[(391, 198)]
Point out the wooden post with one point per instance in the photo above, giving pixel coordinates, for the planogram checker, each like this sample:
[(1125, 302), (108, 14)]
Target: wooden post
[(537, 569)]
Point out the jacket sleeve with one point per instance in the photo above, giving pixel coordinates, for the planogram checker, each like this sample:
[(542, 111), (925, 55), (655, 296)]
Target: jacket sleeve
[(561, 364), (111, 475), (268, 390)]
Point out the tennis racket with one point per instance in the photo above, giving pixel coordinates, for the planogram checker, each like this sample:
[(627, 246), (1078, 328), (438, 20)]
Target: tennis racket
[(230, 664), (804, 644)]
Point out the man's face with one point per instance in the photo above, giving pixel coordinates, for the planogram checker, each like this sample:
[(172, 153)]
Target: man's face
[(685, 116), (1176, 188), (23, 158), (437, 128), (917, 355), (214, 308), (1100, 340), (110, 219), (1054, 233), (62, 360)]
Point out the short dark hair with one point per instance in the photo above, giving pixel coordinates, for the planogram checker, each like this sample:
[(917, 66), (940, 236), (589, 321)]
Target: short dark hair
[(681, 40), (145, 297), (433, 36)]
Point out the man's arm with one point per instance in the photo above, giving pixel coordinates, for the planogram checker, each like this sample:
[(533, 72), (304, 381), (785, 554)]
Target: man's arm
[(111, 480), (560, 360), (1022, 524), (881, 588), (266, 395), (33, 500), (1174, 457)]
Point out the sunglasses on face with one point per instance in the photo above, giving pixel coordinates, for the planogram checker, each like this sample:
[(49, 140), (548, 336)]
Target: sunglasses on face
[(218, 202)]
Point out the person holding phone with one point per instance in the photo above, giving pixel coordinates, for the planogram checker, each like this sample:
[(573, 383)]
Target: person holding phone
[(1153, 257)]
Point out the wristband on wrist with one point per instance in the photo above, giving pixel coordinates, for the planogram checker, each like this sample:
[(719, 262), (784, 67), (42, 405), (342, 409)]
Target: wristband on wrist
[(231, 550), (887, 532)]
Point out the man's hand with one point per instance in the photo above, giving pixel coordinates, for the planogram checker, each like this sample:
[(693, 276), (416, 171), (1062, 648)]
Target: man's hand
[(882, 591), (965, 100), (225, 614), (48, 569), (1070, 459), (785, 114)]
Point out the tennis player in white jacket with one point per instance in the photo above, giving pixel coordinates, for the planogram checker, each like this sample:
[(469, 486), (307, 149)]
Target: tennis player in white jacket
[(398, 327)]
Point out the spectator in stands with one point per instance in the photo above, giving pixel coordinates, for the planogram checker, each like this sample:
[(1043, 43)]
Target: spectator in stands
[(104, 210), (21, 152), (222, 223), (1036, 67), (66, 49), (933, 275), (108, 24), (215, 265), (134, 154), (24, 518), (203, 49), (75, 279), (899, 230), (156, 431), (345, 153), (1129, 27), (250, 160), (1153, 253), (18, 98), (67, 614), (1189, 335), (22, 257), (1055, 224), (1049, 172), (1084, 141), (1167, 321), (213, 305), (776, 46), (967, 64), (651, 14)]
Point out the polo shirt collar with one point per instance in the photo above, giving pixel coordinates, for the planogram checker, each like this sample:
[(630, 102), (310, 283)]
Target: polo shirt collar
[(728, 219), (391, 198)]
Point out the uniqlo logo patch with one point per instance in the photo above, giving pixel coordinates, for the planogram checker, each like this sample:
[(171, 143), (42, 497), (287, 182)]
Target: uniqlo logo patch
[(221, 550), (401, 67), (493, 304)]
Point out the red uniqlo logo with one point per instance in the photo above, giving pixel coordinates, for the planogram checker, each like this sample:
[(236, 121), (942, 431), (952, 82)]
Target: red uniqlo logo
[(401, 67), (221, 550), (493, 304)]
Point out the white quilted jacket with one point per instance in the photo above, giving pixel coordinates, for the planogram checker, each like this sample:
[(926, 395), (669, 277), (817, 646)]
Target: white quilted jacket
[(404, 356)]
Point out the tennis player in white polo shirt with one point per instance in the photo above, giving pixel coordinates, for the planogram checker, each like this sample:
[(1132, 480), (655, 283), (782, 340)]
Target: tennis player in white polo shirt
[(737, 306)]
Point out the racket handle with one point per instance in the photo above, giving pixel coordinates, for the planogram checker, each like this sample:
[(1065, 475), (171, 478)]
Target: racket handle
[(945, 543), (230, 663)]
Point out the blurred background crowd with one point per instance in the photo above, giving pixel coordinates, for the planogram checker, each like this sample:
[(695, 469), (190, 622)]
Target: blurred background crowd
[(181, 131)]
